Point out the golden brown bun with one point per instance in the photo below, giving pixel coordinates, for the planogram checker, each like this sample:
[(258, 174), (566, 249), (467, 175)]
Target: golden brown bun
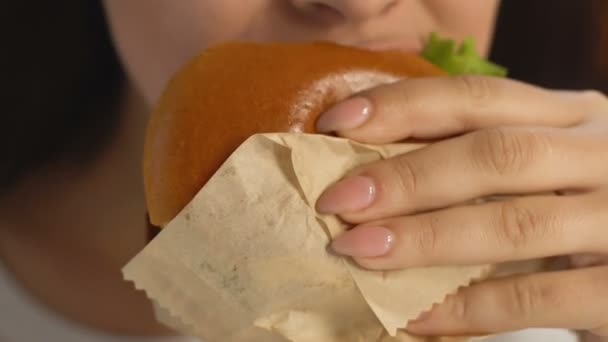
[(234, 90)]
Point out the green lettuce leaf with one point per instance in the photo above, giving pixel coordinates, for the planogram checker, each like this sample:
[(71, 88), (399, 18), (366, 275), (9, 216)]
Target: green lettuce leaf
[(462, 60)]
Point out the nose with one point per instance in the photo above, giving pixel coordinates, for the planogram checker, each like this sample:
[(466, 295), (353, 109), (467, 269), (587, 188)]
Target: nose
[(352, 10)]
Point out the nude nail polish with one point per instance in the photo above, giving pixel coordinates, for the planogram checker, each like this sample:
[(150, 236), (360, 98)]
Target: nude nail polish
[(348, 114), (348, 195), (364, 242)]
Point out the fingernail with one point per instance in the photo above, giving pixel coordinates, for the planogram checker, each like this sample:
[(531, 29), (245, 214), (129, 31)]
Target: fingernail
[(364, 242), (348, 114), (348, 195)]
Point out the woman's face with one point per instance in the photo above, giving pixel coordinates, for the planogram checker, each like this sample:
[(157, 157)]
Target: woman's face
[(155, 37)]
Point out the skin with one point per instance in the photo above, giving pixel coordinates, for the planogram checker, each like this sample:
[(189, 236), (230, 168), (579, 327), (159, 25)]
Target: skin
[(496, 136), (476, 110), (173, 31), (66, 231)]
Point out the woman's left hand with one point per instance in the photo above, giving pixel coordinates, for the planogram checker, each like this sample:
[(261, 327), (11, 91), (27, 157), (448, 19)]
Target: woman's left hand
[(491, 136)]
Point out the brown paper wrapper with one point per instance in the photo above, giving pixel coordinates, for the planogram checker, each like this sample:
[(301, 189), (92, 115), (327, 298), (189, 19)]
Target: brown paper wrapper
[(247, 259)]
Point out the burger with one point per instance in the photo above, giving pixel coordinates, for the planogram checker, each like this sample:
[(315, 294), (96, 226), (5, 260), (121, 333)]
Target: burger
[(234, 90), (215, 103)]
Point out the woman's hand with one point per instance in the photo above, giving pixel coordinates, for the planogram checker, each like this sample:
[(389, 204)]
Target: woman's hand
[(493, 136)]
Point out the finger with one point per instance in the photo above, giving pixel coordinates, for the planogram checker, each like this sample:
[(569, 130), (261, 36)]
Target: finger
[(482, 163), (576, 299), (510, 230), (440, 107)]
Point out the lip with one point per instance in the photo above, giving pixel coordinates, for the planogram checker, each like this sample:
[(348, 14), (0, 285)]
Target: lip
[(401, 45)]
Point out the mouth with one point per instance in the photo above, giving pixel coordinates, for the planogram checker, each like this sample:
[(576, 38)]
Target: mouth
[(404, 45)]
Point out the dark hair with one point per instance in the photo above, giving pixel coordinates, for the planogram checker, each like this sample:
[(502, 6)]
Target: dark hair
[(62, 81), (62, 78), (554, 43)]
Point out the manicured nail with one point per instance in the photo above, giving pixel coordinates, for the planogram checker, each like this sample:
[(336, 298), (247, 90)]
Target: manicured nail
[(364, 242), (348, 114), (348, 195)]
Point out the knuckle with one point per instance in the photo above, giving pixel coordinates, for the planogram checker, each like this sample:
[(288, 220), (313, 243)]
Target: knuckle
[(477, 89), (589, 104), (517, 225), (527, 297), (594, 97), (406, 176), (425, 239), (407, 105), (507, 151)]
